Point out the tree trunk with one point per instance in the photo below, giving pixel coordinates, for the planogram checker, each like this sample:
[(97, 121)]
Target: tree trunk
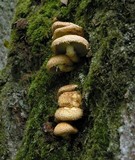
[(106, 80)]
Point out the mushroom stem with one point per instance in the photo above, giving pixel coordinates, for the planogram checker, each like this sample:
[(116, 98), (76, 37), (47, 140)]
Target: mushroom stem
[(70, 52)]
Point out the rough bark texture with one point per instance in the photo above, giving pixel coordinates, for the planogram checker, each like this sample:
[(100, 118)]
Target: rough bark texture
[(106, 80), (6, 14)]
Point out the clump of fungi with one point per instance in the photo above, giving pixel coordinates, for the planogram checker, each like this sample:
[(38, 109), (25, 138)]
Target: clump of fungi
[(68, 46), (70, 109)]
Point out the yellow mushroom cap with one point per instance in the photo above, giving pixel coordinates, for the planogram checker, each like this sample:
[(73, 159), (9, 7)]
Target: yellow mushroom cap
[(70, 99), (71, 29), (61, 61), (79, 43), (64, 129), (59, 24), (67, 88), (68, 114)]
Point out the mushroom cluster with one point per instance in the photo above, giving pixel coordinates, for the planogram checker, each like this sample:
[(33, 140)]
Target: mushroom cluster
[(68, 46), (70, 110)]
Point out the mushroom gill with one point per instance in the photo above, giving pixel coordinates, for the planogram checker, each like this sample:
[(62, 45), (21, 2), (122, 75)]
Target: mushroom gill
[(59, 63), (73, 45)]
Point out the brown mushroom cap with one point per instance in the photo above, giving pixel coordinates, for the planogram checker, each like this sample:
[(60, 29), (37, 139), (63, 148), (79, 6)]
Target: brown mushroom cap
[(79, 43), (59, 61), (64, 129), (67, 88), (71, 29), (70, 99), (59, 24), (68, 114)]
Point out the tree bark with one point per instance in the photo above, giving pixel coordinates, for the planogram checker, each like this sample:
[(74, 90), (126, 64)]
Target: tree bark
[(106, 80)]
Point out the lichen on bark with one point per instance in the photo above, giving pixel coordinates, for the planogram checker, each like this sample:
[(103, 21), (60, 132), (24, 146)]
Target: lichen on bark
[(103, 78)]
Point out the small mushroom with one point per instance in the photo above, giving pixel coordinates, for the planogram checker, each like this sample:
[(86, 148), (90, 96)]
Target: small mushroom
[(68, 114), (70, 99), (59, 24), (71, 29), (67, 88), (64, 129), (60, 63), (73, 45)]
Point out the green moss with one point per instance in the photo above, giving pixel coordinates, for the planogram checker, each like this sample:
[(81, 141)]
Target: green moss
[(106, 85), (29, 43), (38, 31), (23, 8), (44, 107)]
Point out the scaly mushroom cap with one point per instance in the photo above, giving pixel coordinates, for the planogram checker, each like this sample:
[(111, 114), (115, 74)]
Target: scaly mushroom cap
[(71, 29), (79, 43), (59, 63), (59, 24), (64, 129), (67, 88), (68, 114), (70, 99)]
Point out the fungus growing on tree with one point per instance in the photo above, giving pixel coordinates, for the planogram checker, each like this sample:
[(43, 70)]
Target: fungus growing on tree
[(67, 88), (71, 29), (70, 103), (68, 114), (73, 45), (70, 99), (59, 63), (67, 40), (59, 24), (64, 129)]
